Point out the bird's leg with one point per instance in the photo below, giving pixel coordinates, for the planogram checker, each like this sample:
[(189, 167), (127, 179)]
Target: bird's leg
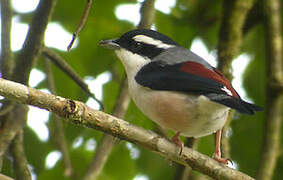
[(217, 154), (177, 141)]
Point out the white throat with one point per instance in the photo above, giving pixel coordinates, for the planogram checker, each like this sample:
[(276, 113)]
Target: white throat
[(132, 62)]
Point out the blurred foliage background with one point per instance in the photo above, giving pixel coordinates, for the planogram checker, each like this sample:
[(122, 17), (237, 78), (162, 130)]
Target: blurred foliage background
[(186, 21)]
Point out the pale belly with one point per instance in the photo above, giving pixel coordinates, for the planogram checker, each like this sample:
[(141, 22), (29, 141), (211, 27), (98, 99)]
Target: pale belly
[(193, 116)]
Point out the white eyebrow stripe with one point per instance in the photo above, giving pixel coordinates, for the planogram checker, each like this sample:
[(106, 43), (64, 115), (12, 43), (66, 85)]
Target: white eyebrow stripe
[(149, 40)]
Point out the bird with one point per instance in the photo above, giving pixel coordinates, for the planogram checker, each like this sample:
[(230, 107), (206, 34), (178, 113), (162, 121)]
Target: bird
[(176, 88)]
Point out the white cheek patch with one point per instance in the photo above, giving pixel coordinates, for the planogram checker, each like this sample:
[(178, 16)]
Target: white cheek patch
[(131, 58), (227, 90), (149, 40)]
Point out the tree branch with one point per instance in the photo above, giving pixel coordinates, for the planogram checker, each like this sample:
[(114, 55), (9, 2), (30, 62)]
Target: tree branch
[(272, 124), (147, 14), (14, 121), (6, 108), (4, 177), (6, 61), (254, 17), (185, 172), (230, 37), (27, 57), (65, 67), (81, 24), (58, 133), (108, 141), (19, 159), (78, 113), (101, 156), (31, 48)]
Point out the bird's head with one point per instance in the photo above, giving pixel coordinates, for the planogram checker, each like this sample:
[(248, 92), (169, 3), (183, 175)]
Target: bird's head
[(138, 47)]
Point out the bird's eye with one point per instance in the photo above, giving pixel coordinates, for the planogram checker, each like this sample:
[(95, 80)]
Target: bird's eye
[(136, 46)]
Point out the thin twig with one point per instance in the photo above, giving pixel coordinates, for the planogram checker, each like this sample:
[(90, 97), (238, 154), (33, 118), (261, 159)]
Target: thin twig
[(78, 113), (272, 125), (6, 108), (107, 143), (81, 24), (147, 14), (58, 134), (14, 123), (65, 67), (19, 159), (101, 156)]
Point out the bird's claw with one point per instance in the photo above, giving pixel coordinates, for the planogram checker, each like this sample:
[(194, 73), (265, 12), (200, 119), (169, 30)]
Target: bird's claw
[(222, 160), (178, 142)]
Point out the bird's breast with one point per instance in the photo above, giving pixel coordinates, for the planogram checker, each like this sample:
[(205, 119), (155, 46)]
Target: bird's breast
[(192, 115)]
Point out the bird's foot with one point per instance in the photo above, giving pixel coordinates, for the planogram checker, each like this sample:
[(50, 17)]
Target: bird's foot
[(178, 142), (218, 158), (217, 154)]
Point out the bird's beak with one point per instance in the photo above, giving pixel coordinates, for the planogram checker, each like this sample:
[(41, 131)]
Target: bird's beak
[(111, 44)]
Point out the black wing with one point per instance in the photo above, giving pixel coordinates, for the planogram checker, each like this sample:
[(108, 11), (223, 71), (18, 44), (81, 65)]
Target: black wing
[(158, 76)]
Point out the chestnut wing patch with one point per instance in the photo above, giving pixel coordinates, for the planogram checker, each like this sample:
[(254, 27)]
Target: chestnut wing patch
[(200, 70), (192, 77), (171, 77)]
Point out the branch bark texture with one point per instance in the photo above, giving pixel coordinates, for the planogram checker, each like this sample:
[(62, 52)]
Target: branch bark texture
[(4, 177), (147, 14), (6, 62), (272, 125), (230, 35), (78, 113), (32, 45)]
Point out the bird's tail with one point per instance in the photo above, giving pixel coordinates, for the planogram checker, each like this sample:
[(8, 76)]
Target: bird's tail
[(234, 103), (250, 108)]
